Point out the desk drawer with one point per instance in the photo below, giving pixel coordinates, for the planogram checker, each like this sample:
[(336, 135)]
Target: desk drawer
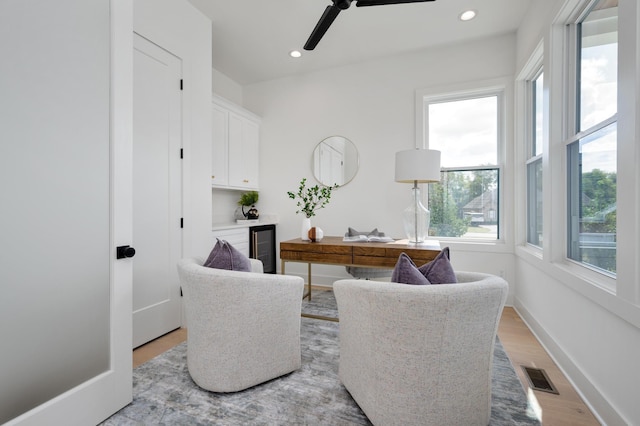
[(374, 261), (419, 256), (315, 248), (385, 256), (315, 257)]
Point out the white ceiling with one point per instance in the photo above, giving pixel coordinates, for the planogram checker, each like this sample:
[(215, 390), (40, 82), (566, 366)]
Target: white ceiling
[(252, 38)]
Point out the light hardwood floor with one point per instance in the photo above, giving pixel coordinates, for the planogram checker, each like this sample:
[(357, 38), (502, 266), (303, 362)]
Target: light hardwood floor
[(567, 408), (523, 349)]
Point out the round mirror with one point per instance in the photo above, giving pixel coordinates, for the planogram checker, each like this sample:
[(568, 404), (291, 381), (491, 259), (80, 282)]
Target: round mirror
[(335, 161)]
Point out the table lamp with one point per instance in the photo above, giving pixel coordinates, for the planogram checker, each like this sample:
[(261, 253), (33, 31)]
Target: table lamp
[(417, 166)]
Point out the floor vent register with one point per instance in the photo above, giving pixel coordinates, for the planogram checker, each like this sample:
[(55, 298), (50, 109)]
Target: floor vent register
[(538, 380)]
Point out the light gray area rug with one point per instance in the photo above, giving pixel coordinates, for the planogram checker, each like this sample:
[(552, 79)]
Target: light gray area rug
[(164, 394), (322, 303)]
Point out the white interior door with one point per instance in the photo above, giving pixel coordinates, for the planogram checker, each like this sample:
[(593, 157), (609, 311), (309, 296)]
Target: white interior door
[(65, 310), (157, 182)]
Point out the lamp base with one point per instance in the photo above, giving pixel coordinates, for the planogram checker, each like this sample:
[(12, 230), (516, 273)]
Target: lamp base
[(416, 218)]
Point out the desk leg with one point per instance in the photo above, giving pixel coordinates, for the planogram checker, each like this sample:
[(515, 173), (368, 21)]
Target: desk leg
[(308, 295), (309, 278)]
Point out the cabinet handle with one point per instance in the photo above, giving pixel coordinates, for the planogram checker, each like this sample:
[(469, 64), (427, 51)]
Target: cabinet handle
[(213, 177), (246, 180)]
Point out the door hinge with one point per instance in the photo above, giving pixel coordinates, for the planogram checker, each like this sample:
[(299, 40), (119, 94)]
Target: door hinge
[(181, 85), (181, 222), (181, 153)]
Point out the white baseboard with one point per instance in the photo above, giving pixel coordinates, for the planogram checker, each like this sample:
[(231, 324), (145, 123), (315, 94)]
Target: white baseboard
[(593, 398)]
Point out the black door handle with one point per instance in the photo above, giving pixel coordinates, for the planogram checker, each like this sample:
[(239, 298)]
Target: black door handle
[(125, 251)]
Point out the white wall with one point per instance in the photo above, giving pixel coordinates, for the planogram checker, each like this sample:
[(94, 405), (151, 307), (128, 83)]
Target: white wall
[(595, 348), (372, 104), (534, 27), (185, 32), (226, 87), (224, 204), (592, 333)]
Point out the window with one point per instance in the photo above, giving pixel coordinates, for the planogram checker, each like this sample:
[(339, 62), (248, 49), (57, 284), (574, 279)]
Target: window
[(592, 140), (466, 129), (534, 162), (537, 113)]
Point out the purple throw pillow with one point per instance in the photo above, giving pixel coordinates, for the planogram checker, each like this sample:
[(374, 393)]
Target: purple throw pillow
[(406, 272), (439, 270), (225, 256)]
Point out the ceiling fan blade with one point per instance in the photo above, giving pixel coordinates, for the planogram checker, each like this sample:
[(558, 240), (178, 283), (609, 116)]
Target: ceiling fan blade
[(322, 26), (361, 3)]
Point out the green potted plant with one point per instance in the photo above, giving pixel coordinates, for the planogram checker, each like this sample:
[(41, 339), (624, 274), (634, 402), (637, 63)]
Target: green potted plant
[(249, 199), (309, 200)]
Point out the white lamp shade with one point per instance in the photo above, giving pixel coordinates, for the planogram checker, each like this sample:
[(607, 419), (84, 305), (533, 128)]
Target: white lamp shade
[(421, 165)]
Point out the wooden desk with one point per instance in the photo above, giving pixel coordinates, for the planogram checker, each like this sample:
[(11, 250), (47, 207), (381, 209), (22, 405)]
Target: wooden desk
[(334, 251)]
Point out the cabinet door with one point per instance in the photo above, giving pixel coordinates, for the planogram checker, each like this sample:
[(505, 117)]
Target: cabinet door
[(220, 164), (236, 139), (250, 148), (263, 246), (236, 152), (244, 137)]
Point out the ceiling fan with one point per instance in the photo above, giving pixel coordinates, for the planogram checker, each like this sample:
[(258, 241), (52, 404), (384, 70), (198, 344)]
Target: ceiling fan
[(331, 12)]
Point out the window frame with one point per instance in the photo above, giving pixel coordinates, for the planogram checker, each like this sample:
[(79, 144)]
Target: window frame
[(525, 128), (573, 134), (621, 295), (502, 89), (533, 159)]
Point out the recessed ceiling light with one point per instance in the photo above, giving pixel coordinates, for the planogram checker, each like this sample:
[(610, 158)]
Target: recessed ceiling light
[(467, 15), (295, 54)]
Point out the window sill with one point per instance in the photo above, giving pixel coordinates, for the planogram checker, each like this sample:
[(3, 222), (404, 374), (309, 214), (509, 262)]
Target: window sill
[(488, 246)]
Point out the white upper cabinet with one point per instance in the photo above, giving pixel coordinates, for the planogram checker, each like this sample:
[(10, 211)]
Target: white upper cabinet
[(236, 143), (220, 165)]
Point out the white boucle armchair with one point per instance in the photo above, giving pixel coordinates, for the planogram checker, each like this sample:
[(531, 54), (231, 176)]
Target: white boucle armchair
[(243, 328), (420, 354)]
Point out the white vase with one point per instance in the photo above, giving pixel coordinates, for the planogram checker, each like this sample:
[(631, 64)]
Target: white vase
[(304, 232)]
